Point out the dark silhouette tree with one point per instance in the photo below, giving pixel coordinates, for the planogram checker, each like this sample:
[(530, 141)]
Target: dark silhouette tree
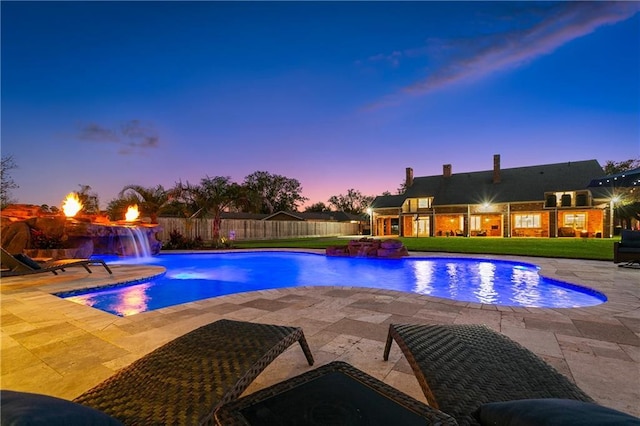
[(627, 206), (353, 202), (6, 180), (269, 193), (611, 167), (210, 198), (150, 200), (89, 200), (318, 207)]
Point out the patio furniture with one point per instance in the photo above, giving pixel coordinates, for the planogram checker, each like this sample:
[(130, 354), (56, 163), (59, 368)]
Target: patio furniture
[(462, 367), (336, 393), (566, 231), (21, 264), (184, 381), (627, 250)]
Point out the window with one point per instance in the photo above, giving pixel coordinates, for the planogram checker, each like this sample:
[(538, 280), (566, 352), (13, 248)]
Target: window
[(551, 201), (424, 203), (527, 220), (476, 223), (576, 220), (582, 199)]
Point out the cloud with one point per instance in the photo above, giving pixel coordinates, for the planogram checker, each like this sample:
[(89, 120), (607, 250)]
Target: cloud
[(474, 59), (96, 133), (132, 136), (393, 58), (140, 134)]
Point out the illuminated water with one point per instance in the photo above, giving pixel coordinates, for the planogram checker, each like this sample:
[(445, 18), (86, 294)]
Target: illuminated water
[(192, 277)]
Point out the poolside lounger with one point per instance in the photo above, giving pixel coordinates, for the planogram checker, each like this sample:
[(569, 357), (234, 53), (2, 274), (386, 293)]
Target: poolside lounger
[(184, 381), (24, 265), (461, 367)]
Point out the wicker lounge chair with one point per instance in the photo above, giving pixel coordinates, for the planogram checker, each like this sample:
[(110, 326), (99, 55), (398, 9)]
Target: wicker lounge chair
[(184, 381), (461, 367), (24, 265)]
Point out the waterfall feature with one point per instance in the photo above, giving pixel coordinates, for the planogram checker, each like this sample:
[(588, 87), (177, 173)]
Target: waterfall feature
[(78, 237), (134, 242)]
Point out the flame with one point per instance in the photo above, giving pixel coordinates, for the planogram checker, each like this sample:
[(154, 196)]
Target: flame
[(132, 213), (71, 205)]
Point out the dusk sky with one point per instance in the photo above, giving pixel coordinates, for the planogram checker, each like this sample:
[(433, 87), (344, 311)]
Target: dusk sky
[(337, 95)]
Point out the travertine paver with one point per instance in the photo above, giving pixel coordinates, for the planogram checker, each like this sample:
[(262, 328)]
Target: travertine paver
[(57, 347)]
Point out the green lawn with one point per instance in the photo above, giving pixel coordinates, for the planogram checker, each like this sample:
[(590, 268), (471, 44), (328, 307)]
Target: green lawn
[(574, 248)]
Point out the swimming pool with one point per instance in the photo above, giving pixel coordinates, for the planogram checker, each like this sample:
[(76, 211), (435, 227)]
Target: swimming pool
[(192, 277)]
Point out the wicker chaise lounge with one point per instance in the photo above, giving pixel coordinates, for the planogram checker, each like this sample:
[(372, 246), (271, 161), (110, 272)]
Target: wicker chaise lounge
[(184, 381), (461, 367)]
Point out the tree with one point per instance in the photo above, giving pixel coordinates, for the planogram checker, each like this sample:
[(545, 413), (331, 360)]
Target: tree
[(117, 207), (89, 200), (6, 181), (627, 207), (213, 196), (271, 193), (318, 207), (353, 202), (611, 167), (150, 200)]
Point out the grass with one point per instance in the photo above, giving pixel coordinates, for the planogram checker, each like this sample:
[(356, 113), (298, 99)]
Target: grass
[(572, 248)]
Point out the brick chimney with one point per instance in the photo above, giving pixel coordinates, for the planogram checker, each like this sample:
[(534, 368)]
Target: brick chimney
[(409, 180), (496, 168), (446, 170)]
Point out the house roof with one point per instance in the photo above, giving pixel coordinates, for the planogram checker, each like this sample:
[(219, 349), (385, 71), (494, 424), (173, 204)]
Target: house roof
[(519, 184), (338, 216), (242, 215), (388, 201)]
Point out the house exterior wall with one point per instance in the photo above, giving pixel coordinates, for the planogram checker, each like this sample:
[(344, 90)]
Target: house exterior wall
[(385, 221), (407, 226), (526, 219)]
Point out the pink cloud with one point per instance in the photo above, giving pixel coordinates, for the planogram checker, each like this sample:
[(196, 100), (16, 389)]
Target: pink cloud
[(510, 50)]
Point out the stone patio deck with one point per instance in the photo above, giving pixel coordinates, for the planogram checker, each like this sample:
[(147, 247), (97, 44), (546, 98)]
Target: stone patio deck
[(57, 347)]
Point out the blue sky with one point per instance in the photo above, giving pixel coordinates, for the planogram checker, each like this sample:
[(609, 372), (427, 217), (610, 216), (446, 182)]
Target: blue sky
[(337, 95)]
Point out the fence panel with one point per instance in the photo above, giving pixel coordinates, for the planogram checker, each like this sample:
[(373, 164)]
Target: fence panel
[(248, 229)]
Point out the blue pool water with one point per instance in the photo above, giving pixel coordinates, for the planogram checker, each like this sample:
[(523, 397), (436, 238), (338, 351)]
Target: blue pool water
[(192, 277)]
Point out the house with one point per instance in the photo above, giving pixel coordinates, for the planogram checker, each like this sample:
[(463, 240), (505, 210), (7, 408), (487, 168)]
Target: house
[(551, 200)]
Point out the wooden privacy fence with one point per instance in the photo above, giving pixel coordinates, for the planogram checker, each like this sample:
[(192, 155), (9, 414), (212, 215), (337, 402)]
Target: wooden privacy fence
[(250, 229)]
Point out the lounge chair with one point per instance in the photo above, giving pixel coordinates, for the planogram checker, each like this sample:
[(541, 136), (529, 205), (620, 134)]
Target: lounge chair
[(184, 381), (627, 250), (462, 367), (24, 265)]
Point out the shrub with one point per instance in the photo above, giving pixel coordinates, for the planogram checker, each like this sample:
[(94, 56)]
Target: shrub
[(40, 240), (177, 241)]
